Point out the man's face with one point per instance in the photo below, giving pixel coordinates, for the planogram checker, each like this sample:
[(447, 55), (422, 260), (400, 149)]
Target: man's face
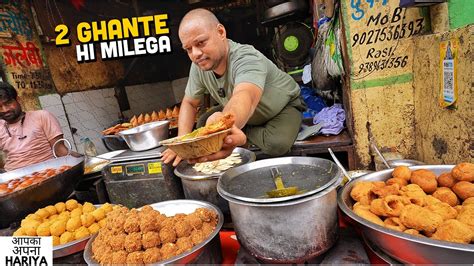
[(205, 46), (10, 110)]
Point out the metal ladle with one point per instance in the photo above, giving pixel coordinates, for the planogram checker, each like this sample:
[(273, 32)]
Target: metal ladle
[(381, 156), (281, 190), (338, 163)]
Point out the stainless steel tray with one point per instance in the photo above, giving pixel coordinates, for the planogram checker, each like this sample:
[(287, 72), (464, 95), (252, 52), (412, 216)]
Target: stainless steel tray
[(401, 246), (170, 208), (185, 170), (71, 247)]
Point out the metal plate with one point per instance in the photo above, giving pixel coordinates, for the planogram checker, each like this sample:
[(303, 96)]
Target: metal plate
[(71, 247), (186, 171), (417, 250), (129, 155), (250, 182), (171, 208)]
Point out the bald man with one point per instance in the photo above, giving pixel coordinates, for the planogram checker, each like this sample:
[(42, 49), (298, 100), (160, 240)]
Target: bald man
[(264, 100)]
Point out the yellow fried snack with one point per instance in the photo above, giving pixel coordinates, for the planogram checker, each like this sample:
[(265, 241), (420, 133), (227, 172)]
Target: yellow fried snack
[(19, 232), (446, 180), (362, 192), (77, 212), (413, 232), (393, 189), (87, 219), (454, 231), (147, 118), (30, 227), (64, 216), (102, 223), (43, 229), (58, 228), (51, 210), (429, 200), (426, 179), (154, 116), (94, 228), (42, 213), (400, 181), (464, 189), (463, 172), (81, 232), (56, 240), (419, 218), (445, 194), (444, 210), (73, 224), (402, 172), (88, 207), (394, 223), (66, 237), (98, 214), (71, 204), (369, 216), (107, 207), (466, 216)]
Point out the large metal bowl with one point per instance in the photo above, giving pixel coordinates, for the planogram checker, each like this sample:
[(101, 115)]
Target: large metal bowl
[(16, 205), (401, 246), (147, 136), (206, 252)]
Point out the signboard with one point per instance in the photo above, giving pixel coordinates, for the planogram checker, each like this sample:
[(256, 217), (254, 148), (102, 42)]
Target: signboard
[(378, 34)]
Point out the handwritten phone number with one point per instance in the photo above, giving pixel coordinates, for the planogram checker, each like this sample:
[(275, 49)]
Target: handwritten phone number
[(388, 33), (391, 62)]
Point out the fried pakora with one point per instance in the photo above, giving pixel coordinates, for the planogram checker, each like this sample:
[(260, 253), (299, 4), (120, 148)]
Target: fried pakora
[(419, 218), (168, 250), (167, 235), (402, 172), (445, 194), (463, 172), (446, 180), (182, 228), (394, 223), (425, 179), (454, 231), (362, 192), (133, 242), (151, 255), (464, 189), (151, 239)]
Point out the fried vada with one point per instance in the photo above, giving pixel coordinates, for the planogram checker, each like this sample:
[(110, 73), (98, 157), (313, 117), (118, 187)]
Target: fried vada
[(402, 172), (464, 189), (362, 192), (445, 194), (446, 180), (426, 179), (463, 172), (419, 218), (454, 231)]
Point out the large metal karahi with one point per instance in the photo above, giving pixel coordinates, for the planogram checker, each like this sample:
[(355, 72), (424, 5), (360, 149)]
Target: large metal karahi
[(401, 246), (15, 206), (206, 252)]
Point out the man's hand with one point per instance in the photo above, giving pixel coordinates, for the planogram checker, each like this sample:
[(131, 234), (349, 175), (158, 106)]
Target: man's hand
[(214, 118), (235, 138), (169, 155)]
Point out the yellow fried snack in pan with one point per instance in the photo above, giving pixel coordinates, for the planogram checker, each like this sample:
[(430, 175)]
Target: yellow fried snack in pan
[(377, 207), (402, 172), (140, 119), (225, 122), (393, 189), (413, 232), (446, 180), (419, 218), (169, 113), (444, 210), (154, 116), (464, 189), (362, 192), (147, 118), (369, 216), (425, 179), (463, 172), (394, 223), (429, 200), (454, 231), (161, 115), (401, 182), (175, 112), (445, 194)]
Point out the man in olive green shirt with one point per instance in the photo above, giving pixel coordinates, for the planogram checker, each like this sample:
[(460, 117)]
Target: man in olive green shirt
[(264, 100)]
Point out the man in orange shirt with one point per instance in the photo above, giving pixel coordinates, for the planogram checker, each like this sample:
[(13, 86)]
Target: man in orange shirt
[(26, 137)]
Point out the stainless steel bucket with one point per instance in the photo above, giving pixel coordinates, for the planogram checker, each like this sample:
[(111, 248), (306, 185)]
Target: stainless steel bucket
[(291, 231)]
